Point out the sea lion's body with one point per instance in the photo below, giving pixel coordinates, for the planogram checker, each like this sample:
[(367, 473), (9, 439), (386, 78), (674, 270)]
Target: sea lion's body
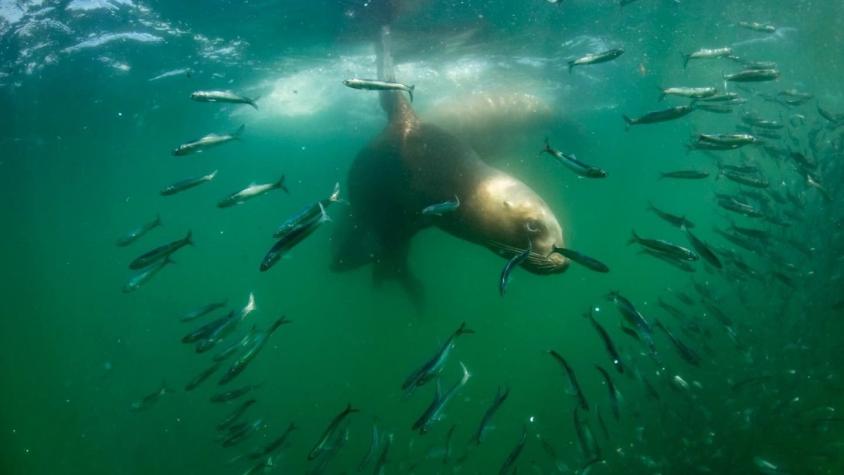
[(411, 165)]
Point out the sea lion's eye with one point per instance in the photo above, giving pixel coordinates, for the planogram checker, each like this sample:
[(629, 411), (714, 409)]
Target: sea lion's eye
[(533, 226)]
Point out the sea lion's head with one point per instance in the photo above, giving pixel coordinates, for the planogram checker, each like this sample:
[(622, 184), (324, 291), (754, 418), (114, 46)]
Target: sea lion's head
[(507, 216)]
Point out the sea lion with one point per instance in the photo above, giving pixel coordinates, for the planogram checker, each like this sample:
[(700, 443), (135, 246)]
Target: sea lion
[(411, 165)]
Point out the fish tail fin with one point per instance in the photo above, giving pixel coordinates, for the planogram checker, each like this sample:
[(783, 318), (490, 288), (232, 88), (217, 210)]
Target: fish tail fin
[(463, 330), (546, 148), (157, 221), (661, 93), (349, 409), (280, 184), (634, 238), (410, 90), (237, 133), (627, 122), (571, 65), (466, 374), (211, 175), (282, 320), (323, 217), (686, 58), (335, 195), (253, 102), (189, 238)]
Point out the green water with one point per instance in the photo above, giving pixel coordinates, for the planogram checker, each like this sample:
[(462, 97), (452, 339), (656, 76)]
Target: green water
[(86, 137)]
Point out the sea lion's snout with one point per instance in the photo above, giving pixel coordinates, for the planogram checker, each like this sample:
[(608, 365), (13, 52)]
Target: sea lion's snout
[(509, 217)]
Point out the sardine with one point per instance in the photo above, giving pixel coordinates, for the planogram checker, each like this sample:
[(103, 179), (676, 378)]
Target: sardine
[(702, 249), (706, 53), (500, 396), (323, 443), (145, 275), (252, 351), (689, 355), (434, 410), (756, 26), (685, 174), (208, 141), (151, 399), (205, 374), (275, 444), (615, 396), (514, 261), (608, 343), (139, 232), (431, 368), (289, 239), (219, 329), (513, 456), (658, 116), (228, 97), (663, 246), (234, 393), (374, 443), (161, 252), (596, 58), (670, 218), (376, 85), (574, 385), (187, 184), (202, 311), (250, 192), (689, 92), (439, 209), (753, 75), (308, 215), (582, 259), (235, 415), (570, 161), (715, 108), (237, 437), (635, 318)]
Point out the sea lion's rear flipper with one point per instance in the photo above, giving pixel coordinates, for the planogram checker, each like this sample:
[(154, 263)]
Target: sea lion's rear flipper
[(391, 264), (353, 243)]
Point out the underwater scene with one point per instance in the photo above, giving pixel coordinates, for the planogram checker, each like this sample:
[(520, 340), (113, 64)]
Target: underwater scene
[(422, 237)]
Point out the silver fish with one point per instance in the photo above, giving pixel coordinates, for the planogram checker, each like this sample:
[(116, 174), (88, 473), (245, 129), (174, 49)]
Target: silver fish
[(690, 92), (514, 261), (756, 26), (706, 53), (308, 214), (596, 58), (250, 192), (160, 252), (753, 75), (432, 367), (138, 232), (145, 275), (439, 209), (151, 400), (570, 161), (222, 96), (376, 85), (209, 141), (187, 184), (323, 444), (434, 410)]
